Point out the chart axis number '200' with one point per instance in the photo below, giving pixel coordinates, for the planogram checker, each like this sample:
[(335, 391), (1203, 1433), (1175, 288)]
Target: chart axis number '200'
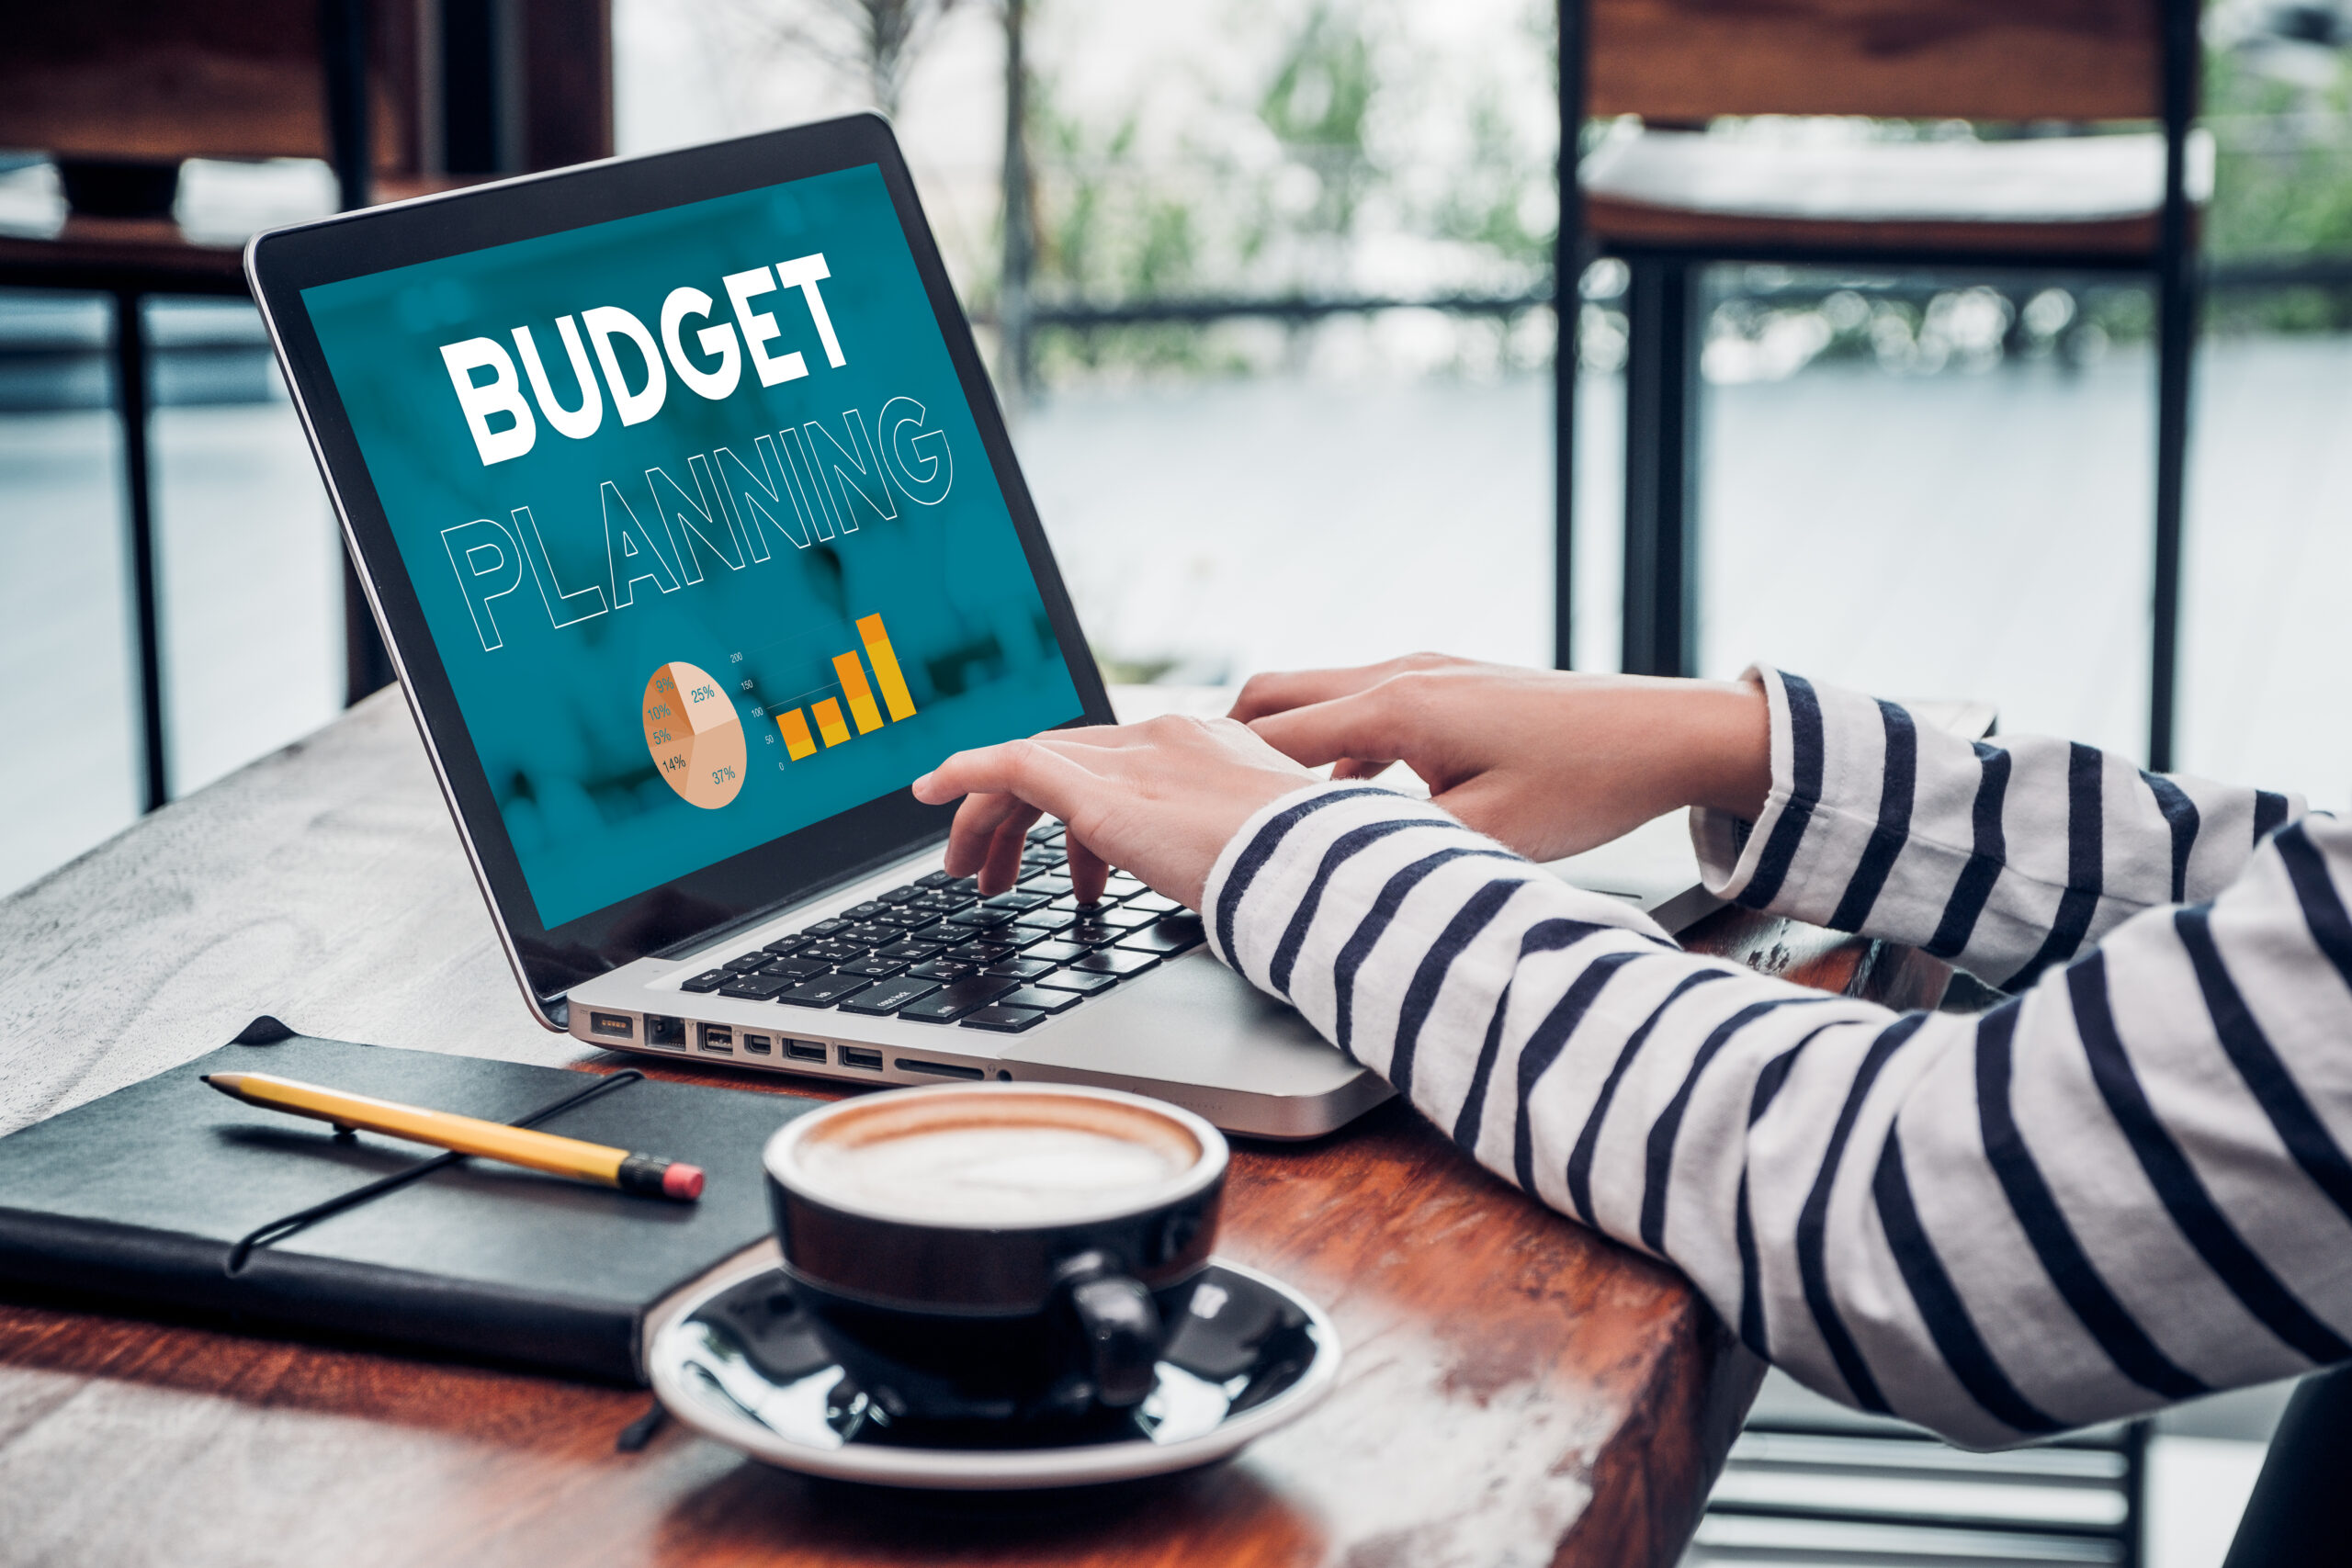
[(694, 735)]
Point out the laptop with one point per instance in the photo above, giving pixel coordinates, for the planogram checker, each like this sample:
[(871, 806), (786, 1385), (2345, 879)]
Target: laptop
[(682, 501)]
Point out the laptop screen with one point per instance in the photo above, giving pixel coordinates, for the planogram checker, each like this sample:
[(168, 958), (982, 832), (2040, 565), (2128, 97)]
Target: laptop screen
[(700, 523)]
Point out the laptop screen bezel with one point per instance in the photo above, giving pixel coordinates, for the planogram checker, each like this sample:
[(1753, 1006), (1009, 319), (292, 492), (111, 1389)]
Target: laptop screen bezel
[(280, 265)]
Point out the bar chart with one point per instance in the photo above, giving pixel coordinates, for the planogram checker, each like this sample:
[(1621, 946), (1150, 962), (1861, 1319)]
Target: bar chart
[(864, 716)]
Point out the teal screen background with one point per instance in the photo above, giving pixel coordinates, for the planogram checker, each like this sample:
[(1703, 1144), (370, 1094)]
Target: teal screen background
[(554, 712)]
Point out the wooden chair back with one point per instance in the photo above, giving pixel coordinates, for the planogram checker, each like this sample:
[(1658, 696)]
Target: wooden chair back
[(1687, 60), (158, 81), (153, 81)]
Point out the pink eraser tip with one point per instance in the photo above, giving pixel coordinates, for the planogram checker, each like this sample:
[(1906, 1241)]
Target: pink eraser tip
[(682, 1181)]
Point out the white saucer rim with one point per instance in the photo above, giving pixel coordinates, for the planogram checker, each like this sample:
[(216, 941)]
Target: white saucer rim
[(946, 1470)]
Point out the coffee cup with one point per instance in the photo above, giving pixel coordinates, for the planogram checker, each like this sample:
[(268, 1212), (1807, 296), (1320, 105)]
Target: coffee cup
[(1007, 1253)]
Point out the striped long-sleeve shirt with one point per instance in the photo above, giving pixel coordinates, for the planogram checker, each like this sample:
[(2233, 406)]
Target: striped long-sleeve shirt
[(2124, 1185)]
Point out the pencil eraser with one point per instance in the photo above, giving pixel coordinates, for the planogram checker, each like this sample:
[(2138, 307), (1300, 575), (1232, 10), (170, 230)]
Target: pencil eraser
[(683, 1182)]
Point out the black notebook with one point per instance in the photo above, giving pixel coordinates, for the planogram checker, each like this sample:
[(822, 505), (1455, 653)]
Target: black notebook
[(141, 1195)]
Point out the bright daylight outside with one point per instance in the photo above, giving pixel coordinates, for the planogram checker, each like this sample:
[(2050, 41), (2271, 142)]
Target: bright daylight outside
[(1926, 486), (1266, 290)]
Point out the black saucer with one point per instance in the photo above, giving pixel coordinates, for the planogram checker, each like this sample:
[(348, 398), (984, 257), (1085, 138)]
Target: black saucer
[(742, 1365)]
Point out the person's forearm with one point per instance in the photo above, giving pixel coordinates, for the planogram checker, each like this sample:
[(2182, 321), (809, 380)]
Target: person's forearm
[(2006, 858), (1723, 745), (2084, 1204), (1550, 761)]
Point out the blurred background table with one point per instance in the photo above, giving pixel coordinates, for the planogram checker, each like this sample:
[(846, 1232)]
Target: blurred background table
[(1517, 1389)]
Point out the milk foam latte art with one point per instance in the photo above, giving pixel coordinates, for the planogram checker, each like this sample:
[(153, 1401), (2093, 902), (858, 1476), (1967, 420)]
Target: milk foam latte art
[(1013, 1173), (995, 1156)]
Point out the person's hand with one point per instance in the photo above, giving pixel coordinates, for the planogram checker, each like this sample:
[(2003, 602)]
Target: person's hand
[(1160, 799), (1550, 763)]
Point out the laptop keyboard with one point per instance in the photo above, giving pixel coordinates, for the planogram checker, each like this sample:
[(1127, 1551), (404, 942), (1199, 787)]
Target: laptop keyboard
[(935, 951)]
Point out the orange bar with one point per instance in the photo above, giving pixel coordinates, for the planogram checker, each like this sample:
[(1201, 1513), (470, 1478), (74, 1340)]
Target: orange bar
[(860, 695), (797, 739), (828, 721), (886, 669)]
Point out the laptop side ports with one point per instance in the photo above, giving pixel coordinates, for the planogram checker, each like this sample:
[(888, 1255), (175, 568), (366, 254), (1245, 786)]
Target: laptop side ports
[(719, 1038), (663, 1030), (803, 1050), (617, 1025), (853, 1057), (758, 1044)]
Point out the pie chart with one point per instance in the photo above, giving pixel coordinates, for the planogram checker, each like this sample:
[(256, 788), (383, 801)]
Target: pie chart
[(694, 735)]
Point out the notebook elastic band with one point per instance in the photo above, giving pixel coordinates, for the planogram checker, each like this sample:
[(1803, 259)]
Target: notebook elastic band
[(279, 1229)]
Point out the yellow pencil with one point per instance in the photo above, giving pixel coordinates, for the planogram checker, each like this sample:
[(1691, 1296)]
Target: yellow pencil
[(643, 1174)]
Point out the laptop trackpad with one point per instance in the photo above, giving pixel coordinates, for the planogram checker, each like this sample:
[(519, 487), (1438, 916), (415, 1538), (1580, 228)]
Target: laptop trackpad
[(1194, 1025)]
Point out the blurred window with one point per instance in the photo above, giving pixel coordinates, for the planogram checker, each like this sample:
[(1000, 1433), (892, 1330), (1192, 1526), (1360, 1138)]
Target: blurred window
[(1288, 392), (249, 555), (69, 779), (1235, 473), (248, 559), (1933, 487), (2269, 567)]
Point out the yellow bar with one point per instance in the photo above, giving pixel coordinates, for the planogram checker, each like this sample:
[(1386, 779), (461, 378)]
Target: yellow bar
[(860, 695), (797, 739), (894, 696), (828, 721), (517, 1146)]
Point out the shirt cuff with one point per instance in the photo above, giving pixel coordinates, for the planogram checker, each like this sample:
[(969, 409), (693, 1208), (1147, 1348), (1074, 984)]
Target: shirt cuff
[(1829, 769)]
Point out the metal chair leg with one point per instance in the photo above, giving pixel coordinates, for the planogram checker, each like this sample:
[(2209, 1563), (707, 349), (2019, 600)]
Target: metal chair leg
[(342, 52), (2136, 1437), (2301, 1510), (1570, 249), (139, 512), (1664, 328), (2176, 341)]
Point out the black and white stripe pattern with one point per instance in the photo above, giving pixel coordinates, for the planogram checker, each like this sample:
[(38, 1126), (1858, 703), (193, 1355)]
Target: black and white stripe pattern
[(2125, 1186)]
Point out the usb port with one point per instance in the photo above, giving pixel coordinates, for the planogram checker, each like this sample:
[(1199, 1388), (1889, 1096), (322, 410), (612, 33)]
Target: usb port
[(853, 1057), (757, 1044), (617, 1024), (720, 1037), (807, 1051)]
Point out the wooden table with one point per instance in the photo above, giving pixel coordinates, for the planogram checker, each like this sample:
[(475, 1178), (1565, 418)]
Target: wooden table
[(1517, 1389)]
